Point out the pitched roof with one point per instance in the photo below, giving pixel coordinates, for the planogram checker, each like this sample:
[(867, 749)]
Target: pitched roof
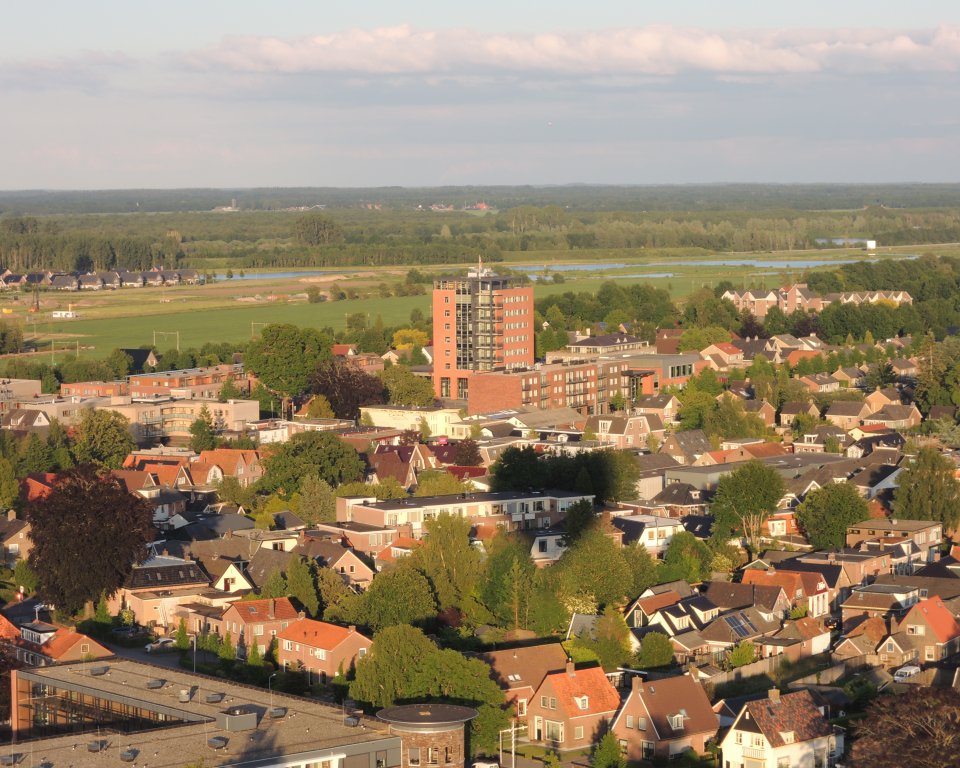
[(251, 611), (789, 713), (318, 634), (602, 697), (937, 616), (679, 695), (527, 666)]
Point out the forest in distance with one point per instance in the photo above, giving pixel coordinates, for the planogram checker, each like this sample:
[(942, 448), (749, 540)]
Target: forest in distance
[(409, 233), (583, 197)]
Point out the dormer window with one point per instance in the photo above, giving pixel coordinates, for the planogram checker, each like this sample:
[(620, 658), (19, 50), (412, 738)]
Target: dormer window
[(788, 737), (676, 721), (583, 702)]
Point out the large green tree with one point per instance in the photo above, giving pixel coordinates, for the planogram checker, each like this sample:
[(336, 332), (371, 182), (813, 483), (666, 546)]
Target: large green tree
[(202, 435), (505, 584), (284, 357), (404, 665), (826, 512), (400, 594), (610, 641), (744, 500), (87, 534), (448, 559), (318, 503), (928, 489), (593, 573), (321, 454), (346, 387), (406, 388), (103, 437)]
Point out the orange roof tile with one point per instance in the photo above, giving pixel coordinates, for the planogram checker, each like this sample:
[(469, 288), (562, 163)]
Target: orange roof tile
[(938, 618), (7, 629), (259, 610), (317, 634), (602, 697), (656, 602)]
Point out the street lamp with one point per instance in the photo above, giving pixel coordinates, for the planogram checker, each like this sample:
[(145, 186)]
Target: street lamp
[(194, 653), (270, 687)]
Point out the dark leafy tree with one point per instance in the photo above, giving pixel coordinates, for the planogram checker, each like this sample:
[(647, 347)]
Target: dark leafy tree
[(928, 489), (346, 388), (78, 551), (399, 595), (611, 641), (467, 454), (825, 514), (586, 586), (744, 500), (607, 753), (285, 356), (300, 585), (103, 437), (406, 388), (687, 558), (916, 729), (321, 454), (656, 650), (581, 516), (316, 229)]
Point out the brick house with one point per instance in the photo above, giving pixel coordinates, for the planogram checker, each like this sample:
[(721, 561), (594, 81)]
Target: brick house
[(320, 648), (520, 671), (930, 629), (664, 718), (803, 589), (572, 708), (258, 621), (40, 644)]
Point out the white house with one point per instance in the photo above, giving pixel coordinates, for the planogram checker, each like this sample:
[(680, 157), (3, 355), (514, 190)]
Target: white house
[(788, 730)]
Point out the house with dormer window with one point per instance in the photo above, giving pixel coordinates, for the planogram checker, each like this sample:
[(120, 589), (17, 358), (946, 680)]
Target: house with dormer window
[(571, 708), (664, 718)]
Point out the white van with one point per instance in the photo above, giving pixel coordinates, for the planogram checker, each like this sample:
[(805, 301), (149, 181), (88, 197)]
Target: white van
[(905, 673)]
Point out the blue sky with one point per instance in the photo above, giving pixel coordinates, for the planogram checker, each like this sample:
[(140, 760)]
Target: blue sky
[(213, 93)]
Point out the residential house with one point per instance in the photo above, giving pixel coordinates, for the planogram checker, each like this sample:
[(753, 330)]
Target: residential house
[(932, 630), (895, 416), (520, 671), (15, 539), (723, 356), (40, 644), (666, 407), (762, 410), (332, 553), (790, 410), (624, 432), (664, 718), (860, 638), (652, 532), (847, 414), (797, 640), (243, 464), (928, 536), (879, 600), (850, 377), (256, 621), (687, 446), (782, 730), (727, 596), (320, 649), (571, 708), (806, 590), (157, 588), (820, 383), (881, 397)]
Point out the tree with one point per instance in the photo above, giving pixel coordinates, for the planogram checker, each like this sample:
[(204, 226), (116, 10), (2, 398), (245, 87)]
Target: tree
[(202, 436), (230, 491), (300, 585), (254, 657), (24, 578), (448, 560), (928, 490), (321, 454), (607, 753), (580, 517), (78, 551), (399, 595), (584, 585), (330, 588), (227, 652), (504, 588), (387, 488), (916, 729), (743, 501), (102, 615), (825, 514), (406, 388), (656, 650), (103, 437), (439, 483), (643, 568), (316, 229), (229, 391), (318, 503), (611, 642), (346, 388), (182, 639), (35, 455), (467, 454), (9, 485), (687, 558), (275, 585), (404, 665), (741, 654), (319, 408), (285, 356)]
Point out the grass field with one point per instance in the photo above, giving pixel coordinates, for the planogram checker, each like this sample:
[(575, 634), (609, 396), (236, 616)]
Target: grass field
[(226, 310)]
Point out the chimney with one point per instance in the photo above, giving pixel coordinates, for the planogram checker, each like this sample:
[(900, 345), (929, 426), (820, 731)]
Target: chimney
[(11, 514), (352, 628), (271, 613), (894, 625), (571, 670), (636, 685), (301, 615), (774, 694)]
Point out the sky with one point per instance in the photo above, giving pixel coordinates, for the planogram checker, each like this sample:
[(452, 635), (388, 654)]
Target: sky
[(114, 94)]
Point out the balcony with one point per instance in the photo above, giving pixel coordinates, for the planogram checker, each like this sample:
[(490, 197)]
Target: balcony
[(755, 753)]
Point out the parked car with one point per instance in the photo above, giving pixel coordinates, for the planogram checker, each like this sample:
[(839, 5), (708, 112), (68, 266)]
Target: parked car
[(905, 673), (126, 632), (160, 645)]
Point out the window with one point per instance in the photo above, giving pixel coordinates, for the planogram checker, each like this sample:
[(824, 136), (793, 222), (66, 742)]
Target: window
[(583, 702), (553, 731), (629, 721), (322, 654), (578, 732), (553, 703), (738, 737), (929, 653), (641, 723), (413, 755), (542, 545), (544, 702), (521, 707), (676, 722), (258, 629), (287, 645), (915, 629), (432, 755)]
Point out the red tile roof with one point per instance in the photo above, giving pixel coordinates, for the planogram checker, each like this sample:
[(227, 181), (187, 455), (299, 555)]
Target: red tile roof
[(937, 616), (602, 697), (251, 611), (318, 634)]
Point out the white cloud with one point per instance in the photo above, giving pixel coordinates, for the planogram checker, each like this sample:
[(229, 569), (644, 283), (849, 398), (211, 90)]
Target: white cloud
[(653, 50)]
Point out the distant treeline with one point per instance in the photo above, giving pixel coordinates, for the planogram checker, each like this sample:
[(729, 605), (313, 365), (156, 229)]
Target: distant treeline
[(582, 197), (341, 238)]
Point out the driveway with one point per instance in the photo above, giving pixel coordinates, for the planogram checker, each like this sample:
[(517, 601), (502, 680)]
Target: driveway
[(168, 659)]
